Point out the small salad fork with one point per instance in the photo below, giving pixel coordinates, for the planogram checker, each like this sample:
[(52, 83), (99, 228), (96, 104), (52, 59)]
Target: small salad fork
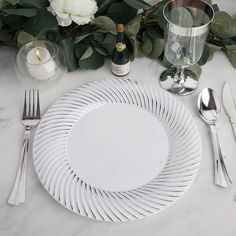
[(30, 119)]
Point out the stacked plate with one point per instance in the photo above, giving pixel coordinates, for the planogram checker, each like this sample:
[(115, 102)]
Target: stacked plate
[(117, 150)]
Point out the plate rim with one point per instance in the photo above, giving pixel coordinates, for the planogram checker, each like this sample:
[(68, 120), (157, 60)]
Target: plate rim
[(156, 90)]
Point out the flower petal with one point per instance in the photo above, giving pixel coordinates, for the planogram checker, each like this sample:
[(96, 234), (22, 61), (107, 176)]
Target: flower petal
[(57, 5), (51, 10), (81, 7), (82, 20), (64, 22), (62, 15)]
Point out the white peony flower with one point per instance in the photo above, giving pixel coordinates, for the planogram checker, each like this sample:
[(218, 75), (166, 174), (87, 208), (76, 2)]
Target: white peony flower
[(79, 11)]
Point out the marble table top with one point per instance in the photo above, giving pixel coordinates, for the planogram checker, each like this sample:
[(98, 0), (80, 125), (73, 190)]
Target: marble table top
[(204, 210)]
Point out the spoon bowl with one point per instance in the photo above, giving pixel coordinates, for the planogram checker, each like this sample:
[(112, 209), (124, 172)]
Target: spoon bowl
[(209, 106)]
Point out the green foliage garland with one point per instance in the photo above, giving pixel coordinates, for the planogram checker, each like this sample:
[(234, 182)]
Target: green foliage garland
[(86, 46)]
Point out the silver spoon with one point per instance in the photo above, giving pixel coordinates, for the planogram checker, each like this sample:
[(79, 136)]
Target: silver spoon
[(209, 108)]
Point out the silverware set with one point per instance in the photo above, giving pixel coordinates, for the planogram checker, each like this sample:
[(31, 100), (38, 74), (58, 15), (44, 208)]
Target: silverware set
[(30, 119), (209, 107)]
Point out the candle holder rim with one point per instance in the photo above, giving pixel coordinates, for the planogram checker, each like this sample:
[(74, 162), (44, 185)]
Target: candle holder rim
[(31, 43)]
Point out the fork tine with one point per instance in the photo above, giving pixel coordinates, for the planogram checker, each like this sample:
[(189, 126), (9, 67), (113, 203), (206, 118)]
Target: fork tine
[(24, 109), (29, 104), (33, 113), (38, 106)]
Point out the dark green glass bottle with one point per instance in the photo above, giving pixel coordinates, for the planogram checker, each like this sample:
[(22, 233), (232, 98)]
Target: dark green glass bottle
[(120, 59)]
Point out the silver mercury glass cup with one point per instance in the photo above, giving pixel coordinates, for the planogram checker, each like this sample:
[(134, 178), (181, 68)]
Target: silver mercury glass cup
[(185, 32)]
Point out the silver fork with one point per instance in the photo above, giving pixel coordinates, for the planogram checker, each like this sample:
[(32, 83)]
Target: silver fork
[(30, 118)]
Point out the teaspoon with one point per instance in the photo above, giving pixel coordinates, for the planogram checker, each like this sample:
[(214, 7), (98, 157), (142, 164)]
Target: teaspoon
[(209, 108)]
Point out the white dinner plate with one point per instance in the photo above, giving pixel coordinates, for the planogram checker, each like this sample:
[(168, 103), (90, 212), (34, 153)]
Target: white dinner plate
[(117, 150)]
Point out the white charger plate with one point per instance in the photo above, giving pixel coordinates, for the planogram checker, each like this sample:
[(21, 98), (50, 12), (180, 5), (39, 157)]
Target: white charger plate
[(117, 150)]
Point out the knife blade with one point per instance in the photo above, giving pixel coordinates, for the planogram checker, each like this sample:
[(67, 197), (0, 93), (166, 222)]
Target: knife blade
[(229, 106)]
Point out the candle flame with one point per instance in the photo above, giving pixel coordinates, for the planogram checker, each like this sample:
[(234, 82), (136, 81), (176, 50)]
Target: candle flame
[(38, 54)]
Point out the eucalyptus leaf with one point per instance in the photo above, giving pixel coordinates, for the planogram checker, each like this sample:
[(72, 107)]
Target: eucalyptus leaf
[(223, 25), (95, 61), (13, 2), (14, 22), (228, 41), (105, 23), (80, 38), (88, 45), (34, 3), (208, 1), (213, 48), (103, 31), (160, 20), (101, 51), (4, 36), (231, 53), (165, 62), (132, 28), (98, 37), (130, 46), (157, 13), (205, 55), (196, 69), (199, 17), (137, 4), (88, 39), (157, 48), (109, 43), (68, 46), (3, 3), (153, 33), (95, 43), (103, 5), (24, 38), (88, 52), (146, 45), (120, 12), (210, 57), (152, 2), (80, 49), (215, 8), (181, 17), (138, 50), (43, 19), (49, 34), (27, 12)]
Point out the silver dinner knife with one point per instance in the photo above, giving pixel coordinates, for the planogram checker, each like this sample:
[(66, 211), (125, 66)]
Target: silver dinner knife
[(229, 106)]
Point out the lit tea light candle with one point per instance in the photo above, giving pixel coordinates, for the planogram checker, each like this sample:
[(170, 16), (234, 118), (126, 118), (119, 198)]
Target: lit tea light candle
[(40, 64)]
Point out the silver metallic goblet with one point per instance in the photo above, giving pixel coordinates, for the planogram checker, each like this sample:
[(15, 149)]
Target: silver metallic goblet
[(185, 32)]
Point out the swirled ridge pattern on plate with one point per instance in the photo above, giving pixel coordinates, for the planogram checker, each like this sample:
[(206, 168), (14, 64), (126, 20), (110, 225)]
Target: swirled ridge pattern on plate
[(65, 186)]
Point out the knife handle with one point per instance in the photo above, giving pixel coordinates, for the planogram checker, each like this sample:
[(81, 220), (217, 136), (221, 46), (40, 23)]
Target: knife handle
[(221, 174)]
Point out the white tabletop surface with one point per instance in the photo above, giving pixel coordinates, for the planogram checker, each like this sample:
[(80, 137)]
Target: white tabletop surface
[(204, 210)]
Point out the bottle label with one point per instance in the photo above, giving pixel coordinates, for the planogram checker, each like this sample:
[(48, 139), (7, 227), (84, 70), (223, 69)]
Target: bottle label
[(120, 70)]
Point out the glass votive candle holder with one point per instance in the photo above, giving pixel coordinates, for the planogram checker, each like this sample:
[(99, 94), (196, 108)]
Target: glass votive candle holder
[(40, 63)]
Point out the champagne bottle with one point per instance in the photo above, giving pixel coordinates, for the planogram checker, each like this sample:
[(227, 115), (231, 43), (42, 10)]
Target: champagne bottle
[(120, 59)]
